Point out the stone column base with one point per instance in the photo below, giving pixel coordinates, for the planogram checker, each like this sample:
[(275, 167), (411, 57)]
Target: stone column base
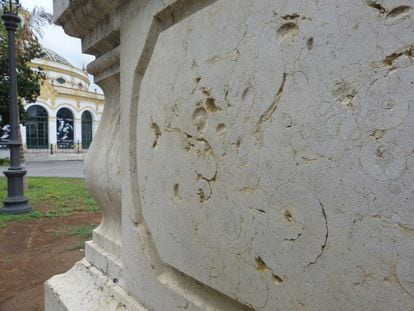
[(86, 288)]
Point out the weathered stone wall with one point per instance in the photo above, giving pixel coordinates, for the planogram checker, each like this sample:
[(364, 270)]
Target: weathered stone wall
[(261, 155)]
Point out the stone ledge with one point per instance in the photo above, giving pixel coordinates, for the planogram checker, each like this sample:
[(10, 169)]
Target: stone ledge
[(104, 242), (86, 288), (104, 261), (108, 62)]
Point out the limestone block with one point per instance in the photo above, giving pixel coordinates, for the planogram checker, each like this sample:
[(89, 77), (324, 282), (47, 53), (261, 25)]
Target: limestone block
[(264, 149), (270, 136)]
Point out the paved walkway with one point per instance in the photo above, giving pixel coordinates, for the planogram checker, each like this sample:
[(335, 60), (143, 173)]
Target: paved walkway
[(53, 168), (54, 157)]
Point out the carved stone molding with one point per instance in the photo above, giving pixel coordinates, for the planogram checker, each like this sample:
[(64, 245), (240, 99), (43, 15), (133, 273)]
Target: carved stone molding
[(79, 17)]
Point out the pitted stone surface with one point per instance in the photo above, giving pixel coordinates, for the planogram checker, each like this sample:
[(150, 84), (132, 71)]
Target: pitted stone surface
[(267, 152), (258, 140)]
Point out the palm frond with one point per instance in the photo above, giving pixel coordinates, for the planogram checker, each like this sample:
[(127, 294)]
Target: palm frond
[(36, 20)]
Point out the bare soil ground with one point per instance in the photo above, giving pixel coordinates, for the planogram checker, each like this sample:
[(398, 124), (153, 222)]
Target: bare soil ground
[(32, 251)]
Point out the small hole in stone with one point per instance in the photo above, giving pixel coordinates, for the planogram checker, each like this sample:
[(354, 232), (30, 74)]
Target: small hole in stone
[(211, 105), (195, 227), (157, 132), (177, 192), (291, 29), (375, 5), (245, 92), (288, 216), (198, 79), (221, 128), (380, 152), (238, 142), (200, 118), (398, 10), (277, 279), (261, 265), (309, 43), (201, 196)]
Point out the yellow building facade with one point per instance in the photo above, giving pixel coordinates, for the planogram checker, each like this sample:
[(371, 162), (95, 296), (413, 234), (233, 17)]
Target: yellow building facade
[(67, 113)]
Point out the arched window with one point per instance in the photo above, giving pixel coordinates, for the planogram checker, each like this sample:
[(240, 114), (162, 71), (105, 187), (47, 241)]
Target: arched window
[(64, 129), (37, 128), (86, 129)]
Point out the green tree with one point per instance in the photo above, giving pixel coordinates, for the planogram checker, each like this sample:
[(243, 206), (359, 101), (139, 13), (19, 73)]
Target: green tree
[(27, 48)]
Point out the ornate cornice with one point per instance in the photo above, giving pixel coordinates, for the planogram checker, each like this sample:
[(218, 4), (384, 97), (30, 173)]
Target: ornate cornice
[(97, 23), (79, 17), (106, 65)]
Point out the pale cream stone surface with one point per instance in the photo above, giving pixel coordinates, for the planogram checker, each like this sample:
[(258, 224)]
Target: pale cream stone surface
[(261, 151), (90, 290)]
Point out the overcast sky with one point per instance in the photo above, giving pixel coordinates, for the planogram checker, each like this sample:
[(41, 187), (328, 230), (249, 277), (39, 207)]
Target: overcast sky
[(55, 39)]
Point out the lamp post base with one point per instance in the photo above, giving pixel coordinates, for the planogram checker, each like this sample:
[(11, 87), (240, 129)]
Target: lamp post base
[(16, 206), (16, 202)]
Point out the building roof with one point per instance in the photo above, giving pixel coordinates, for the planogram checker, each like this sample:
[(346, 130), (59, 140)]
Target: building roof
[(55, 57)]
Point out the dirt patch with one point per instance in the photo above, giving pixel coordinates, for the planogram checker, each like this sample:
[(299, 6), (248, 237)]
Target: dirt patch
[(33, 251)]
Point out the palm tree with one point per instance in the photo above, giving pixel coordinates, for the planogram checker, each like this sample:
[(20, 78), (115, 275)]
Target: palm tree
[(38, 19), (31, 30)]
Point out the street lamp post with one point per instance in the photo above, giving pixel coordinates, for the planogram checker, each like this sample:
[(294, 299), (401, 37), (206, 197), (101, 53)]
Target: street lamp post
[(16, 202)]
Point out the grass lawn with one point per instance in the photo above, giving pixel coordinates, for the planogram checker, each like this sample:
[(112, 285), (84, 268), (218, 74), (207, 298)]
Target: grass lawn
[(55, 197), (51, 197)]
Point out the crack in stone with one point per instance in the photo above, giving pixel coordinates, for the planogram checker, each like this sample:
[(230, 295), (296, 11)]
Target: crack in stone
[(407, 51), (269, 111), (157, 133), (208, 151), (204, 197), (259, 210), (390, 60), (291, 16), (325, 243), (209, 180), (293, 239)]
